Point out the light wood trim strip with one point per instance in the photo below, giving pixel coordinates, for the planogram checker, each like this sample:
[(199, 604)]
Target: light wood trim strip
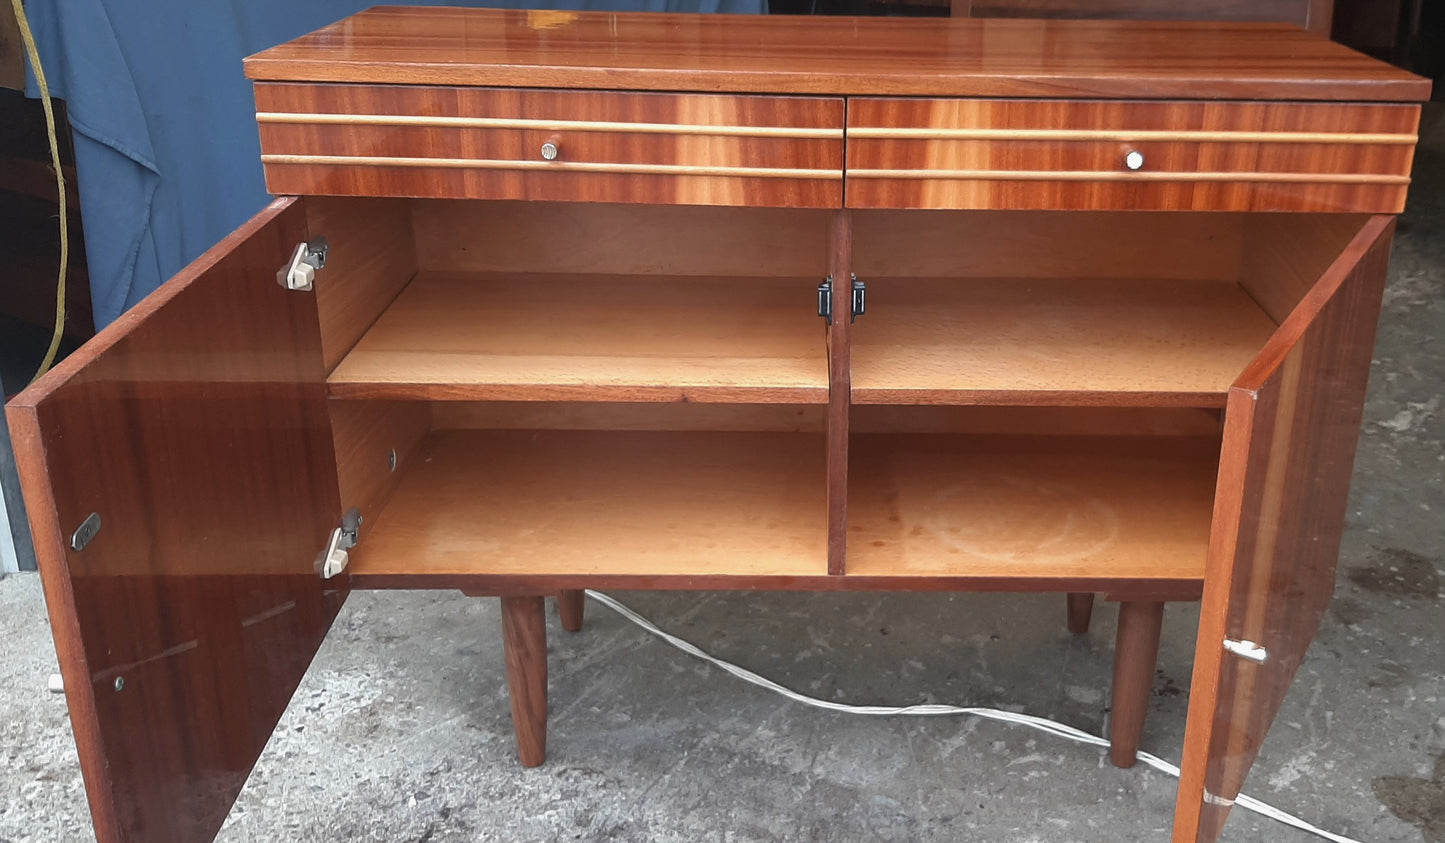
[(1127, 135), (1109, 175), (547, 125), (556, 166)]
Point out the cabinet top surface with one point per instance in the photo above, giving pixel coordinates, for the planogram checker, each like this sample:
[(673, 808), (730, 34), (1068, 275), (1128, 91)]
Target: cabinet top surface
[(834, 56)]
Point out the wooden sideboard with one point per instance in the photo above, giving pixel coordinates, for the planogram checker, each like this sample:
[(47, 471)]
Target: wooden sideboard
[(1099, 305)]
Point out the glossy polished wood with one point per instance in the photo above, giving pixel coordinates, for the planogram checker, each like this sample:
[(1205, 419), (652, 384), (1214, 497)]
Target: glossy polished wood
[(1291, 428), (1136, 651), (840, 374), (1048, 507), (593, 338), (835, 56), (487, 143), (1055, 342), (524, 641), (1313, 15), (1223, 156), (186, 623)]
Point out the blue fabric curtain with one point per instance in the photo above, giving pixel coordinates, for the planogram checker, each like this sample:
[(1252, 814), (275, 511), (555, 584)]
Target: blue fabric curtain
[(166, 149)]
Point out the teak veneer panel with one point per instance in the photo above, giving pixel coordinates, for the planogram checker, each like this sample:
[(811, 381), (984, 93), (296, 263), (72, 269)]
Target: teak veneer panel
[(1031, 507), (608, 146), (546, 503), (1314, 15), (1070, 155), (462, 336), (835, 56), (1054, 341)]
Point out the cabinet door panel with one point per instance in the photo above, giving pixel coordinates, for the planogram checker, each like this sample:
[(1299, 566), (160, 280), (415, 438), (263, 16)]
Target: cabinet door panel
[(1291, 426), (195, 427)]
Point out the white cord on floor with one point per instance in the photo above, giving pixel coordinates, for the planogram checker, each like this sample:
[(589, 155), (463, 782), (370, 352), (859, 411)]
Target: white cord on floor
[(933, 710)]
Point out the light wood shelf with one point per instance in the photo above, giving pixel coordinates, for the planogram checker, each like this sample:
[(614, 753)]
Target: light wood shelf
[(519, 337), (541, 503), (1054, 341), (1031, 507)]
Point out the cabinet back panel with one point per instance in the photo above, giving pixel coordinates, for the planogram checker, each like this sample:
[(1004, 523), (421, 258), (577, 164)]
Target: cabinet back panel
[(370, 260), (568, 415), (1046, 244), (1037, 421), (560, 237)]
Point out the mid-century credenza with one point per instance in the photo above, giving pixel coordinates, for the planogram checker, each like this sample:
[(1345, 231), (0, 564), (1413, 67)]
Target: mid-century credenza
[(553, 301)]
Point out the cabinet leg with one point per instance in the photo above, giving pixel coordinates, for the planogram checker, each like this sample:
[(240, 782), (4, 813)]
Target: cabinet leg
[(1135, 653), (524, 639), (570, 603), (1081, 609)]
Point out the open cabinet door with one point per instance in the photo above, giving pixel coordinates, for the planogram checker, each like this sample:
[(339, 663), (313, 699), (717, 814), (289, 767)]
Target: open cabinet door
[(1291, 425), (193, 433)]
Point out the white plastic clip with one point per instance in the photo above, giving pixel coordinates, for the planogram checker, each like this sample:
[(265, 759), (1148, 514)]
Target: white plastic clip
[(333, 560), (300, 273), (1247, 650)]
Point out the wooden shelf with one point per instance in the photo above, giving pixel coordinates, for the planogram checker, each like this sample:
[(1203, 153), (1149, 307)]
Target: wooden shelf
[(1054, 341), (547, 503), (469, 336), (1031, 508)]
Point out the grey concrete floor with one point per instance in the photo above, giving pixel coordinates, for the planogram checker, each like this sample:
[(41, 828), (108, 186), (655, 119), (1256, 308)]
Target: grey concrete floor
[(401, 731)]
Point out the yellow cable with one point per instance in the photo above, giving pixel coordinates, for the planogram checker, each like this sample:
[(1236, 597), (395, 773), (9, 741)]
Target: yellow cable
[(34, 55)]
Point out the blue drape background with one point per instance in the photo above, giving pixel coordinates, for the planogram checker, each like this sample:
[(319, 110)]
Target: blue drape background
[(166, 150)]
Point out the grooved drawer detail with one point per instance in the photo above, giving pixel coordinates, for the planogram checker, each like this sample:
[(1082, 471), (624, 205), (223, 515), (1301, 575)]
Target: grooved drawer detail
[(486, 143), (1080, 155)]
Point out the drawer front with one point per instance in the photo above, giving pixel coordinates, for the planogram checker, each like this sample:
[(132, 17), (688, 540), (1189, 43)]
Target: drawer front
[(597, 146), (1080, 155)]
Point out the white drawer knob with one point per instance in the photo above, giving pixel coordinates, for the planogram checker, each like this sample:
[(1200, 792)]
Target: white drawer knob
[(1134, 160), (549, 150)]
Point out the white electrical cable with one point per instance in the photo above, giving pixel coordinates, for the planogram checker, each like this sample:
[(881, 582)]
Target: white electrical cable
[(933, 710)]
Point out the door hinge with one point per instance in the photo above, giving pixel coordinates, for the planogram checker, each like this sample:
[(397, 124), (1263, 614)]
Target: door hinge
[(334, 558), (300, 273), (825, 299), (1247, 650)]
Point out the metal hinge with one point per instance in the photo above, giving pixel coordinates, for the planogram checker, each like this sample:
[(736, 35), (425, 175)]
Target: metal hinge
[(825, 299), (300, 273), (1246, 650), (333, 559)]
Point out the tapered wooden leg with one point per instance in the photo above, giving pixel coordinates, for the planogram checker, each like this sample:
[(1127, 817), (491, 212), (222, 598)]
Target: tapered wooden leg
[(1081, 609), (570, 603), (524, 639), (1135, 653)]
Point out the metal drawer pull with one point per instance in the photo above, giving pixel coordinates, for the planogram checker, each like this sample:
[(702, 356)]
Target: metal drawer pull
[(1134, 160), (549, 151)]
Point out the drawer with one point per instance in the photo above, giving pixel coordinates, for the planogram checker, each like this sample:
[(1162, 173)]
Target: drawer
[(1080, 155), (596, 146)]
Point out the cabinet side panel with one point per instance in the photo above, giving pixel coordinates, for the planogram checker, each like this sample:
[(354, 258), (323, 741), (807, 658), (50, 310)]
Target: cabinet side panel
[(193, 433), (370, 260), (1292, 423)]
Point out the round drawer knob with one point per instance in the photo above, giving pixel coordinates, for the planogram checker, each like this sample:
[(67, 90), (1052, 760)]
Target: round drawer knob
[(549, 151), (1134, 160)]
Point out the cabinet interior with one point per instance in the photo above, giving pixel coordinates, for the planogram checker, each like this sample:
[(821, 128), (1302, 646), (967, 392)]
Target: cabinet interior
[(601, 394)]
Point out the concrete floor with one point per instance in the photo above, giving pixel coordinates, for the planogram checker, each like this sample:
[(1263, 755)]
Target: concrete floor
[(401, 730)]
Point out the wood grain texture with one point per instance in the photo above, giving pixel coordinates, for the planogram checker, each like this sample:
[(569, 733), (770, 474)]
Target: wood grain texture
[(1136, 651), (486, 143), (1282, 257), (1030, 507), (1070, 155), (992, 420), (583, 337), (196, 426), (834, 56), (1047, 244), (1008, 341), (606, 239), (607, 415), (1291, 427), (1301, 13), (370, 260), (571, 607), (365, 434), (840, 373), (538, 503), (524, 642)]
